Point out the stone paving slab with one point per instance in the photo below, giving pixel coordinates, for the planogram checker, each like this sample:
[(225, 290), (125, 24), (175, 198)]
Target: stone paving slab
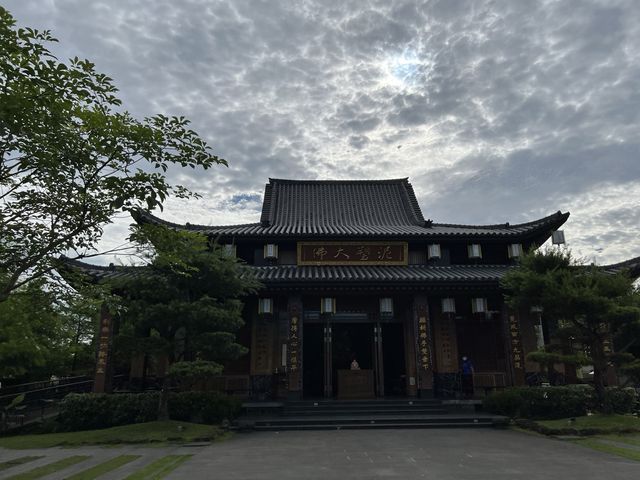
[(403, 454), (441, 454), (98, 455)]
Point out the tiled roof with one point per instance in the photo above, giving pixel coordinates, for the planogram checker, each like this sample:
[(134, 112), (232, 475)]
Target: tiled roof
[(389, 275), (632, 267), (279, 274), (351, 208), (323, 206), (97, 273), (424, 274)]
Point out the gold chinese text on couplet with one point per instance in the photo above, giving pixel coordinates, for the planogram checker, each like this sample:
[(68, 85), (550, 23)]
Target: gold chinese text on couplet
[(352, 253)]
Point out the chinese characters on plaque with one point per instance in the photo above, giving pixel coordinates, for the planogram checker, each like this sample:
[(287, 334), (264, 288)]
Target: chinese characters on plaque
[(294, 343), (424, 355), (516, 344), (352, 253), (103, 344), (262, 344), (446, 350)]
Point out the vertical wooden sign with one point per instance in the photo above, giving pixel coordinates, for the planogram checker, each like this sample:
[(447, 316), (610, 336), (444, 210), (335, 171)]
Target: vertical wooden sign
[(423, 341), (294, 350), (262, 346), (446, 345), (102, 380), (517, 355)]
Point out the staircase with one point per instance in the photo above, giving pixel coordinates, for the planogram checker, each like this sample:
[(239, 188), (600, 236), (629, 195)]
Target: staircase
[(360, 414)]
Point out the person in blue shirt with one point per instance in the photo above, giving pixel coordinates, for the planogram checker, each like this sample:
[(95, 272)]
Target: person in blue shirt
[(467, 378)]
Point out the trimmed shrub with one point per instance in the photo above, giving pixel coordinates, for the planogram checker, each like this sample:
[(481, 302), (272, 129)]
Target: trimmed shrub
[(203, 407), (540, 402), (93, 411), (87, 411), (507, 403), (619, 400)]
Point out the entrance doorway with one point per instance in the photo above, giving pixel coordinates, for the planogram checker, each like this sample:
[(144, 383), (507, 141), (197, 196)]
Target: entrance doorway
[(393, 359), (330, 347), (313, 360), (351, 341)]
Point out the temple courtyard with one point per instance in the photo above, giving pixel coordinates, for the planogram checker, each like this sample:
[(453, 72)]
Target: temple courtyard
[(344, 454)]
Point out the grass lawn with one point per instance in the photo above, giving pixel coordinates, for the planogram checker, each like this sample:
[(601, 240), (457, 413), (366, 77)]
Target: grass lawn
[(17, 461), (600, 443), (104, 467), (629, 439), (625, 445), (160, 468), (49, 468), (151, 432), (609, 422)]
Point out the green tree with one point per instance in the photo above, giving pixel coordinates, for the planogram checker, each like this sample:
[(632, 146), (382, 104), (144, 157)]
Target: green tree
[(45, 333), (71, 157), (584, 303), (185, 307)]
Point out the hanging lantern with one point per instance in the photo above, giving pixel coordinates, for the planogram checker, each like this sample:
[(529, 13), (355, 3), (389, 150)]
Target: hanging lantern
[(327, 305), (265, 305), (478, 305), (448, 305), (386, 306)]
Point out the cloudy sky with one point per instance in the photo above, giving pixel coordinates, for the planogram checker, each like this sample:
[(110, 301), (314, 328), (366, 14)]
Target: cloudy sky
[(496, 111)]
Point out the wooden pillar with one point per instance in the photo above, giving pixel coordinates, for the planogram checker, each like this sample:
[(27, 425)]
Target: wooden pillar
[(294, 348), (423, 345), (515, 353), (102, 380), (410, 354), (611, 377)]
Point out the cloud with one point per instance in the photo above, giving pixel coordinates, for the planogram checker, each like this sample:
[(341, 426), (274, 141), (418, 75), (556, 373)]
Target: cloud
[(503, 110)]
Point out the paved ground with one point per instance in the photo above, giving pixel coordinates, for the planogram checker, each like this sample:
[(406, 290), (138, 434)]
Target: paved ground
[(96, 456), (434, 454), (359, 454)]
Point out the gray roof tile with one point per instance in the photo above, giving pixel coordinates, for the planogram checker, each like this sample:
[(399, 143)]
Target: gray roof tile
[(425, 274), (355, 208)]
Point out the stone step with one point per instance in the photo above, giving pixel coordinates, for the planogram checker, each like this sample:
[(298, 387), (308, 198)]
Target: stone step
[(352, 421), (378, 425), (377, 402), (363, 411)]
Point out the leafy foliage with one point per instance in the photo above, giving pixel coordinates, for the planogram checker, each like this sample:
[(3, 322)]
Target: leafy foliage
[(558, 402), (585, 307), (91, 411), (620, 400), (71, 157), (540, 402), (45, 333), (187, 306)]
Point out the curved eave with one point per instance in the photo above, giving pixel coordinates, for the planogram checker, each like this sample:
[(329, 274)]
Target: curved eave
[(76, 271), (632, 267), (537, 231), (418, 277)]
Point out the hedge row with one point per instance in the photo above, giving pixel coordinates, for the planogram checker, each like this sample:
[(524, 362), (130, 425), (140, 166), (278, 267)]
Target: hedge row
[(92, 411), (557, 402)]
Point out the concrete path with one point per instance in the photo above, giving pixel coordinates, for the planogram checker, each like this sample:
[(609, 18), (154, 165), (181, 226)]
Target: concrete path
[(441, 454), (455, 454)]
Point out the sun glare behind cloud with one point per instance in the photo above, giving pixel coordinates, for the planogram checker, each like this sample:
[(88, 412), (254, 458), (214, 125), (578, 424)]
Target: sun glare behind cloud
[(405, 70)]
